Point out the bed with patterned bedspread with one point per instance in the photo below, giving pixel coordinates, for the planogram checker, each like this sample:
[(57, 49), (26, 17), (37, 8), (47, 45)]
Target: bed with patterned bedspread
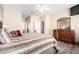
[(29, 43)]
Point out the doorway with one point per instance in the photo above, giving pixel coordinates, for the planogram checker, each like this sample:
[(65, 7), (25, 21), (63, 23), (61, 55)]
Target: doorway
[(39, 26)]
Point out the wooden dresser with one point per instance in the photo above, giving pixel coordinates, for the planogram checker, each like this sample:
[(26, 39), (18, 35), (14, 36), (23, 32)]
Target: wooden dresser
[(65, 35)]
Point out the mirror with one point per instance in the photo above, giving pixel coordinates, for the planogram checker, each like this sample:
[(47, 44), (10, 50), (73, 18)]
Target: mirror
[(64, 23)]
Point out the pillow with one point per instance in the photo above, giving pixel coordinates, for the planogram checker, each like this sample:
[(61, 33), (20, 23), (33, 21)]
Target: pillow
[(14, 33), (19, 33), (6, 36), (2, 41)]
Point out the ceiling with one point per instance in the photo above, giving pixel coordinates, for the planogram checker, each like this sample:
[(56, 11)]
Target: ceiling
[(27, 9)]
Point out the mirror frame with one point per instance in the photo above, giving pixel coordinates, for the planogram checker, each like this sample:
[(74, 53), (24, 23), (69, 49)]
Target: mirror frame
[(64, 19)]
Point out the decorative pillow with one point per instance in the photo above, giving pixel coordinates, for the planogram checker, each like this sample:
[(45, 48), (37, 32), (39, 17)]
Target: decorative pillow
[(6, 36), (19, 33), (14, 33)]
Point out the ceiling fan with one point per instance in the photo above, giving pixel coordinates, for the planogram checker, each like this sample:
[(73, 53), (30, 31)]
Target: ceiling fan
[(41, 8)]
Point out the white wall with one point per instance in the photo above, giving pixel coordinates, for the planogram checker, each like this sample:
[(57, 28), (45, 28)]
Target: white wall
[(33, 19), (75, 26), (47, 24), (12, 18), (55, 17), (1, 12)]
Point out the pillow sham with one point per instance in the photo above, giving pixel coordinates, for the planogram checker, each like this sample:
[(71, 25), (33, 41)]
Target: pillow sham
[(19, 33), (14, 33), (6, 35)]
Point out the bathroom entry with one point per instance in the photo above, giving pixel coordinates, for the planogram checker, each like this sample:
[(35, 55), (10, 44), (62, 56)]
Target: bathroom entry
[(39, 26)]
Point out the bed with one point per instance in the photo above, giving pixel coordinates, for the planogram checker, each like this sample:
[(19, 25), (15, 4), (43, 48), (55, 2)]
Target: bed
[(29, 43)]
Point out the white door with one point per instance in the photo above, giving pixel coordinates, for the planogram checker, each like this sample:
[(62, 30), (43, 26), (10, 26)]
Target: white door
[(37, 26)]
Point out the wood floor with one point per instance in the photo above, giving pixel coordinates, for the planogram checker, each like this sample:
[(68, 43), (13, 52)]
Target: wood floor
[(64, 49)]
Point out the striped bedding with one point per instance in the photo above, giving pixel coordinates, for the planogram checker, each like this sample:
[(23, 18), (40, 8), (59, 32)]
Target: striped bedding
[(30, 36), (28, 43)]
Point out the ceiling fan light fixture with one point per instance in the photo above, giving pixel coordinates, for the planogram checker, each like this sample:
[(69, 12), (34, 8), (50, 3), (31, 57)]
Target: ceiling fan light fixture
[(42, 8)]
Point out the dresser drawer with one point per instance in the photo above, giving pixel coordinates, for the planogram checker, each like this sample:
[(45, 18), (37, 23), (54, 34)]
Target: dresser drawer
[(64, 35)]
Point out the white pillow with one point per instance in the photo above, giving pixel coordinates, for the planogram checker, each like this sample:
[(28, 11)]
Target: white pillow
[(2, 39), (6, 36)]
